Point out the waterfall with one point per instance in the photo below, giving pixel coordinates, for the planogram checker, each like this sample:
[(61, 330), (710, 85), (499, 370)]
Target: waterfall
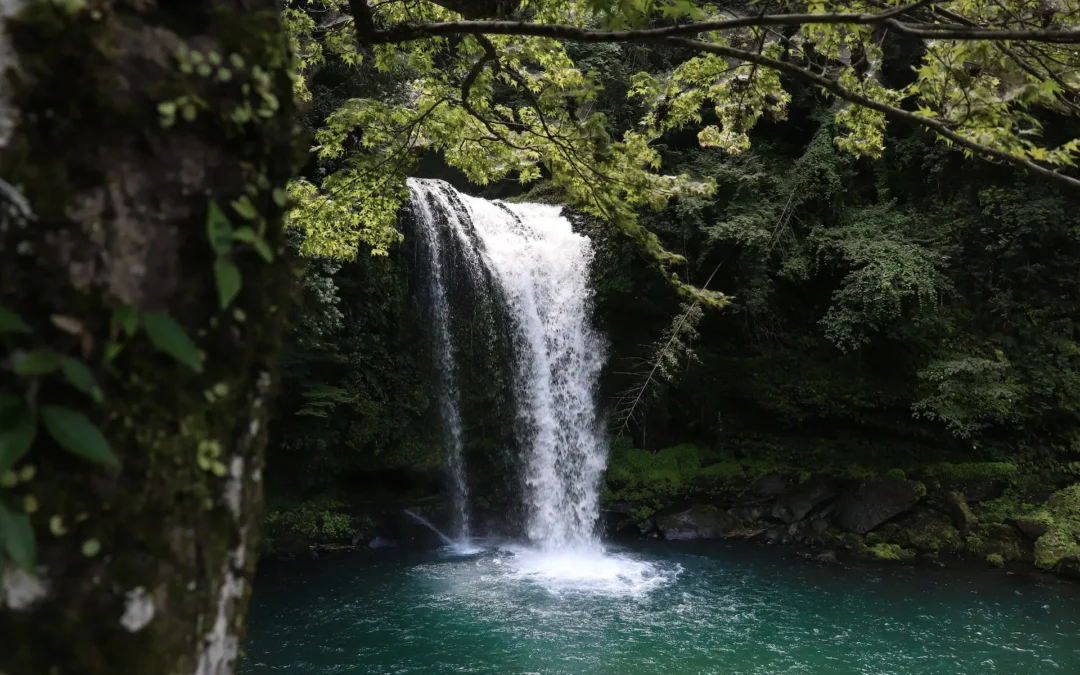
[(435, 225), (540, 266)]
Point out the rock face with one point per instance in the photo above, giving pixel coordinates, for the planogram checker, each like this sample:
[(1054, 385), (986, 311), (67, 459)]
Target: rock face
[(875, 501), (957, 508), (805, 498), (1030, 528), (695, 522)]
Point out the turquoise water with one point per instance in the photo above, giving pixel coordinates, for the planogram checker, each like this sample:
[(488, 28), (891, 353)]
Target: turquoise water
[(729, 609)]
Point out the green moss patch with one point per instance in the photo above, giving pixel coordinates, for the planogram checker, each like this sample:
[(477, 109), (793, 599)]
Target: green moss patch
[(893, 552), (1062, 518)]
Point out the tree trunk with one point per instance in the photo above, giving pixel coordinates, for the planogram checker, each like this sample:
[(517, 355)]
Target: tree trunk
[(145, 568)]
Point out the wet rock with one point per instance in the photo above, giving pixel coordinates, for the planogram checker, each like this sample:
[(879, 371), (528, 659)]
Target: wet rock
[(646, 527), (957, 508), (826, 558), (695, 522), (819, 525), (875, 501), (805, 498), (922, 530), (1006, 542), (1029, 527)]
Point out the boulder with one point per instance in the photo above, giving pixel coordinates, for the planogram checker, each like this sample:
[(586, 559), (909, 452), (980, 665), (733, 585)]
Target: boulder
[(875, 501), (977, 490), (767, 487), (957, 508), (922, 530), (694, 522), (1029, 527), (805, 499)]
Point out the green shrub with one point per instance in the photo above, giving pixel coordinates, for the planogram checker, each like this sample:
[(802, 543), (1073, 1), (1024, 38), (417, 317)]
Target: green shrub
[(314, 520)]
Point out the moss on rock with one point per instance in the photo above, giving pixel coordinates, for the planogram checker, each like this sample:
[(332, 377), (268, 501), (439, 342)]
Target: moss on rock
[(1062, 518), (892, 552)]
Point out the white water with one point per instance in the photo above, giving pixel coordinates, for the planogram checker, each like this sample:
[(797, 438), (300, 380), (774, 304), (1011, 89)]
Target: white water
[(433, 220), (541, 266)]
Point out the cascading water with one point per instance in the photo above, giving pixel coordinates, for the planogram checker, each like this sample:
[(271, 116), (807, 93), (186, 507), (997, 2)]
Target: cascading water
[(429, 216), (540, 265)]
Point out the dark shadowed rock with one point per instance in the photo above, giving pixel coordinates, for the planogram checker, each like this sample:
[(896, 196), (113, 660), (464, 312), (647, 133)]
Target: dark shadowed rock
[(805, 498), (1029, 527), (766, 487), (957, 508), (977, 490), (695, 522), (875, 501)]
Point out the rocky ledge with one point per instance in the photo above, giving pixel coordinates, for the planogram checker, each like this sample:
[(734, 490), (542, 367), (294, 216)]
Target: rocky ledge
[(885, 517)]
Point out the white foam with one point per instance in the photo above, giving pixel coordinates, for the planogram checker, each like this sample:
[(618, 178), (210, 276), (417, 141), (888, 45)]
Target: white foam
[(588, 570)]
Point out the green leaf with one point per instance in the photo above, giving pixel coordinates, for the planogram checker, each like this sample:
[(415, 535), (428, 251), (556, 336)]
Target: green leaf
[(169, 337), (245, 208), (10, 322), (245, 234), (112, 350), (17, 537), (17, 430), (218, 229), (80, 377), (127, 317), (37, 363), (228, 280), (77, 434), (264, 250), (280, 197)]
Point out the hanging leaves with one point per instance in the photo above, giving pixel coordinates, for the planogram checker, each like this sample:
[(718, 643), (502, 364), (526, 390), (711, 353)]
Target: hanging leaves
[(17, 430), (37, 363), (218, 229), (227, 276), (10, 322), (17, 537), (78, 435), (169, 337), (127, 318), (80, 377)]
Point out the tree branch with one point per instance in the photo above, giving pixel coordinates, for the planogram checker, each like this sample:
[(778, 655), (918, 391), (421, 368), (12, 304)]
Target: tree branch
[(835, 88)]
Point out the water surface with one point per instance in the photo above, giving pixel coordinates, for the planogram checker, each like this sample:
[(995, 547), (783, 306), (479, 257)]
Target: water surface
[(730, 609)]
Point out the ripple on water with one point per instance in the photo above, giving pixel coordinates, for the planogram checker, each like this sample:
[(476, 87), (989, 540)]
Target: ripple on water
[(510, 610)]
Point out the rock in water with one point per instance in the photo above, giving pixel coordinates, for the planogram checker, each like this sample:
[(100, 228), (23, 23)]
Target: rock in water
[(875, 501), (695, 522)]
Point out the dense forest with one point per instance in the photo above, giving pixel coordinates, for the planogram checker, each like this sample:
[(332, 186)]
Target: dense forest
[(837, 270), (913, 314)]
